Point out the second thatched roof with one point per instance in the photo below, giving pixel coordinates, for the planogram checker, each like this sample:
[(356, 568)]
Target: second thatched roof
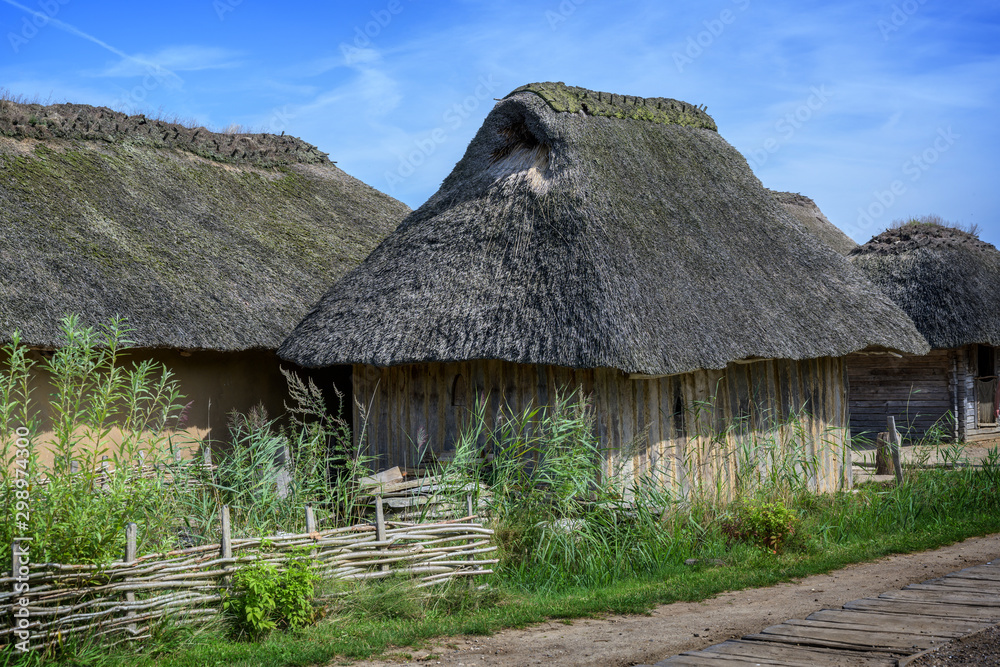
[(202, 240), (586, 229), (807, 213), (945, 279)]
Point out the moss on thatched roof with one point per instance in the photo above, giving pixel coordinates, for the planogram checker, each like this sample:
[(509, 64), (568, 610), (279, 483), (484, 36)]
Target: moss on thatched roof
[(81, 122), (945, 279), (197, 253), (591, 241), (805, 211), (573, 99)]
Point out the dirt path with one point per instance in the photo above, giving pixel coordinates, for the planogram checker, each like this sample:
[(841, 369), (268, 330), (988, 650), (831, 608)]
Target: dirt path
[(617, 641)]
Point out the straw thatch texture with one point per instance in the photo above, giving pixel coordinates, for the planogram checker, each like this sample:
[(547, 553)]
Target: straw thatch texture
[(945, 279), (592, 241), (807, 213), (202, 240)]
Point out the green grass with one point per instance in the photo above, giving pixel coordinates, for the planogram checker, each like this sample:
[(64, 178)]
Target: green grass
[(932, 509)]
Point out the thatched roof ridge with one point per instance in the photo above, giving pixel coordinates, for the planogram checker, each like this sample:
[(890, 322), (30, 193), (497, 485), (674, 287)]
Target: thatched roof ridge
[(944, 278), (591, 241), (573, 99), (805, 211), (196, 253), (82, 122)]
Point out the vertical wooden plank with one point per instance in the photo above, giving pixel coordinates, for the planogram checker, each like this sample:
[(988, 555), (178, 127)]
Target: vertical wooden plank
[(357, 386), (627, 395), (812, 372), (495, 383), (836, 394), (384, 394), (652, 445), (725, 425), (434, 416), (784, 389), (450, 372), (601, 410), (477, 400), (417, 409), (400, 439), (511, 397), (540, 377), (667, 443), (611, 401)]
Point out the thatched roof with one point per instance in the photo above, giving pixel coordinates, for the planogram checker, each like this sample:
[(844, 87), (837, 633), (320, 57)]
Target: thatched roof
[(807, 213), (946, 279), (613, 240), (202, 240)]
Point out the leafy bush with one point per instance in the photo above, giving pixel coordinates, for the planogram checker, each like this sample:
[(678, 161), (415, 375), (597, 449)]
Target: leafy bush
[(764, 524), (265, 598), (103, 412)]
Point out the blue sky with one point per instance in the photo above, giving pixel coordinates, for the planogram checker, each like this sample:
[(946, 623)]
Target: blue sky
[(877, 110)]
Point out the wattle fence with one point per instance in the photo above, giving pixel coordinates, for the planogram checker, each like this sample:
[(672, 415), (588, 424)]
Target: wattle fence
[(45, 604)]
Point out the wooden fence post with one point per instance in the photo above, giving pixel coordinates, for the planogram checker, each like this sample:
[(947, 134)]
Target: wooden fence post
[(471, 557), (311, 525), (131, 546), (226, 548), (380, 524), (883, 455), (895, 445)]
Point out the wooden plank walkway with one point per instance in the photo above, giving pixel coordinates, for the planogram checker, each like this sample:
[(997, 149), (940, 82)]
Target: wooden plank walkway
[(884, 631)]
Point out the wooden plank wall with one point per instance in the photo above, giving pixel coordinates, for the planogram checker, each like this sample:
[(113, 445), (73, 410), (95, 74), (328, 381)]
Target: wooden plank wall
[(725, 416), (919, 391), (916, 390), (972, 431)]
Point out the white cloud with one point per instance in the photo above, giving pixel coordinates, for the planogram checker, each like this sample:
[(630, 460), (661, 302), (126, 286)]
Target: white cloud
[(186, 58)]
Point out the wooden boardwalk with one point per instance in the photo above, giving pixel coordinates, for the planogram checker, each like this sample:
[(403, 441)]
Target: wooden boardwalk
[(886, 630)]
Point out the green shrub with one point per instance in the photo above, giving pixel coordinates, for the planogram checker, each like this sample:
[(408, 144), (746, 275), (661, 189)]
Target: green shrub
[(264, 598), (74, 518), (764, 524)]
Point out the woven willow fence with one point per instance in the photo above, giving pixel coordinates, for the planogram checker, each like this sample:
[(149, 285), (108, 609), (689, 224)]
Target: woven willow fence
[(122, 600)]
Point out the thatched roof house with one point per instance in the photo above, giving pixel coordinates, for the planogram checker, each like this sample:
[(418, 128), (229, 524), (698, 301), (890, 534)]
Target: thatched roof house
[(602, 240), (211, 244), (807, 213), (948, 282)]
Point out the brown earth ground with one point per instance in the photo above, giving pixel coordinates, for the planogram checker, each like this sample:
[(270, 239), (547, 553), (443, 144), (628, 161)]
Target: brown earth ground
[(617, 641)]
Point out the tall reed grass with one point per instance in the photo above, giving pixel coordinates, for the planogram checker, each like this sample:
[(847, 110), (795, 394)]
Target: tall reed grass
[(109, 419), (570, 513)]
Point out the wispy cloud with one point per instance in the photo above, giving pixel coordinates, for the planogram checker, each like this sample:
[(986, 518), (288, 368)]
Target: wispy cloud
[(62, 25), (182, 58)]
